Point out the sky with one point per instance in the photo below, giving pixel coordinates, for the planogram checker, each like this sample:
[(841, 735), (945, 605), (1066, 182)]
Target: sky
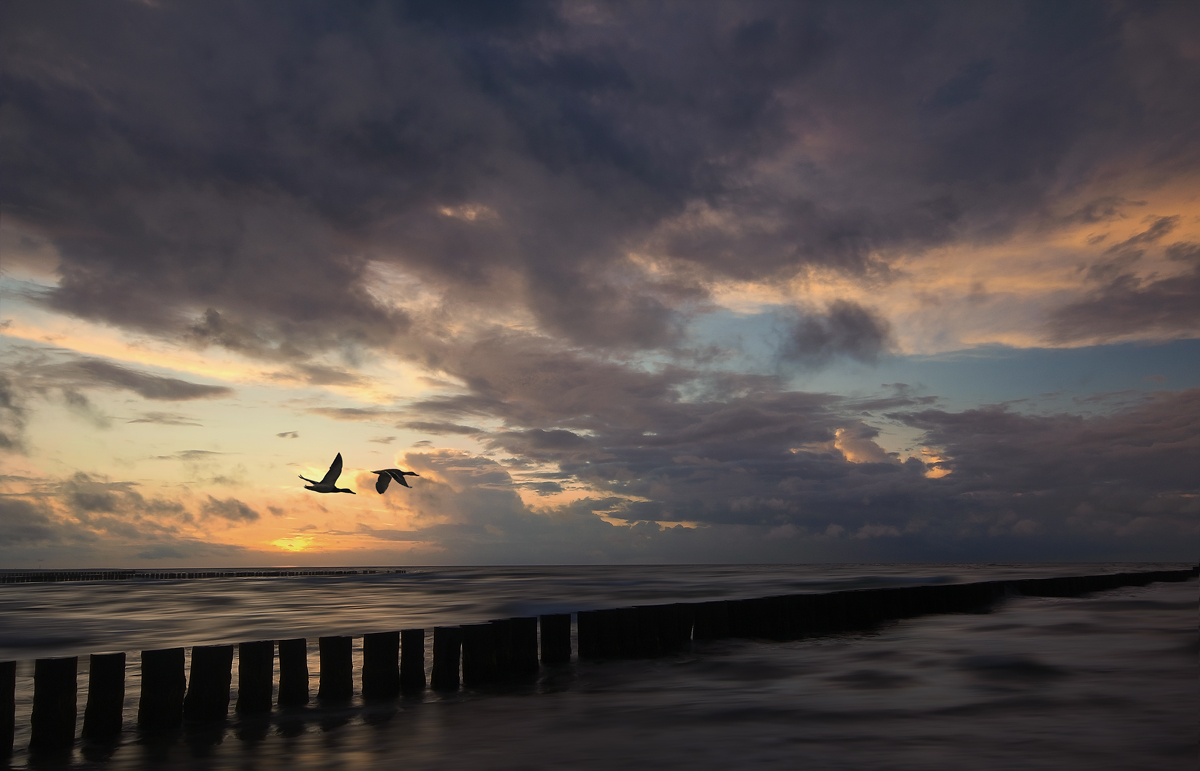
[(675, 282)]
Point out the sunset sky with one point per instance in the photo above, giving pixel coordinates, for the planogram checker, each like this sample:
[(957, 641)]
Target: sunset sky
[(623, 282)]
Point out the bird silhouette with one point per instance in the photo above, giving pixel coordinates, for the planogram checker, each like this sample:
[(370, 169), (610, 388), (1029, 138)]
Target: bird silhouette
[(388, 474), (328, 483)]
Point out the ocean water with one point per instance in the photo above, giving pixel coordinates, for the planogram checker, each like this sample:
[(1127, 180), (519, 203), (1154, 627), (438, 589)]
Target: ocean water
[(1106, 681)]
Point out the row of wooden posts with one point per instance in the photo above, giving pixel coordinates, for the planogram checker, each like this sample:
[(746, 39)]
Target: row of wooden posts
[(393, 663)]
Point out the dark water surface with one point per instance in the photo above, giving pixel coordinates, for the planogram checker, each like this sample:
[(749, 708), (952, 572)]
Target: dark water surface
[(1107, 681)]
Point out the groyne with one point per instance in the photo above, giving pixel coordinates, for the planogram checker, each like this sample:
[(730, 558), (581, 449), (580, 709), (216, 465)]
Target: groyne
[(273, 675)]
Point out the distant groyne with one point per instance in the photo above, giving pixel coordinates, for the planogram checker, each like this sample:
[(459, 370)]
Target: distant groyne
[(273, 675)]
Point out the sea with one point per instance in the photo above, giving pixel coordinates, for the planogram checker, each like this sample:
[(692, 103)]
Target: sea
[(1104, 681)]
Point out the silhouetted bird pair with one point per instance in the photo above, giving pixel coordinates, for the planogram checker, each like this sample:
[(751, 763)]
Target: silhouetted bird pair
[(328, 483)]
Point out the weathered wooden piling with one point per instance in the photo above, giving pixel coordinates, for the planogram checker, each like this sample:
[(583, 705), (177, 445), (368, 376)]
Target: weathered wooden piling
[(207, 697), (587, 625), (412, 660), (556, 638), (106, 697), (502, 646), (256, 665), (629, 642), (8, 706), (524, 641), (293, 672), (645, 631), (447, 647), (381, 665), (163, 684), (711, 620), (52, 725), (337, 669), (478, 654)]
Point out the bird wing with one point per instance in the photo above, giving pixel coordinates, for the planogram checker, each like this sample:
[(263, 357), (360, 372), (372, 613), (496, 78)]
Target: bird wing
[(335, 471), (381, 484), (398, 475)]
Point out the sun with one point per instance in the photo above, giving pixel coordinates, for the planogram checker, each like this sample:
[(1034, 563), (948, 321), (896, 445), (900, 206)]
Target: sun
[(293, 543)]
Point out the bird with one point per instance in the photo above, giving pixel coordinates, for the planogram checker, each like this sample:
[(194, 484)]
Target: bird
[(328, 483), (386, 475)]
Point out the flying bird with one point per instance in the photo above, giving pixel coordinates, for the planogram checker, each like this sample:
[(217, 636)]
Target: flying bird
[(388, 474), (328, 483)]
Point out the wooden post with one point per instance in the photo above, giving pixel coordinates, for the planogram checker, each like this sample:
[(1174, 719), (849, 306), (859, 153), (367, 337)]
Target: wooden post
[(207, 697), (412, 660), (381, 665), (502, 646), (649, 619), (611, 624), (628, 635), (8, 706), (337, 665), (52, 725), (447, 646), (685, 619), (163, 684), (293, 672), (556, 638), (478, 655), (256, 665), (588, 632), (524, 642), (106, 697)]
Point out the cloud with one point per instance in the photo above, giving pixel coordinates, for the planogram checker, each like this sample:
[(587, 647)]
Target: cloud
[(288, 435), (188, 549), (536, 209), (441, 428), (165, 419), (846, 329), (12, 417), (544, 161), (189, 455), (384, 534), (25, 522), (1126, 305), (229, 508), (97, 373), (80, 405), (42, 369)]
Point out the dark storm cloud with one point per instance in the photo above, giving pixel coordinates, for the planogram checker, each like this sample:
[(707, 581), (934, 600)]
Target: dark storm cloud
[(846, 329), (228, 184)]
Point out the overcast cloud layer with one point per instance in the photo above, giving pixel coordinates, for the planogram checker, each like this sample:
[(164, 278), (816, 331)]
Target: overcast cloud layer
[(522, 237)]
